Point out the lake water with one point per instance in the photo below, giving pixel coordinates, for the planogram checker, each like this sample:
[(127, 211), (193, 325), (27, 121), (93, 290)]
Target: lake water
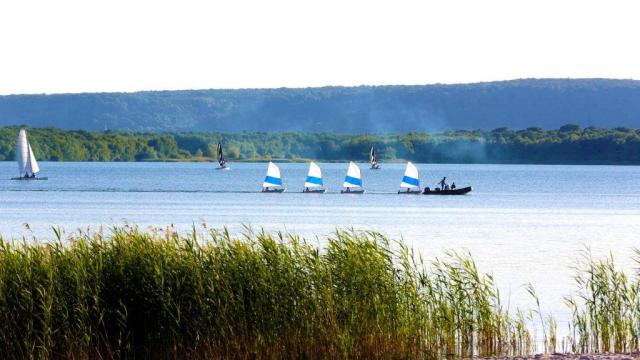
[(523, 223)]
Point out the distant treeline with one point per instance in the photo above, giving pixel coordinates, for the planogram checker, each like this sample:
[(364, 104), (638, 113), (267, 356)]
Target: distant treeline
[(567, 145), (547, 103)]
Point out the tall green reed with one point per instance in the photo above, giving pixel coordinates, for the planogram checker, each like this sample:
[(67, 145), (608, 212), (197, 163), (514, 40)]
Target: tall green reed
[(605, 308), (131, 293)]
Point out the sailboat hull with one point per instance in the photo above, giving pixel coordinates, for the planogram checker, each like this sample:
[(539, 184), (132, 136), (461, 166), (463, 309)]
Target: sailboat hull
[(411, 192), (375, 167), (30, 178), (315, 191), (361, 191), (223, 168), (274, 190)]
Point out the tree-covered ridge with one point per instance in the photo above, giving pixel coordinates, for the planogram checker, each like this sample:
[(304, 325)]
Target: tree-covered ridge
[(547, 103), (569, 144)]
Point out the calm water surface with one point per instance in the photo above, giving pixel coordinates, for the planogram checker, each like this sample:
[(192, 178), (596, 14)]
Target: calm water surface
[(524, 223)]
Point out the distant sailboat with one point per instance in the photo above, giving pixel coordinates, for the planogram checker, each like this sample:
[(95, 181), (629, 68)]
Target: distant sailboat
[(373, 159), (221, 160), (313, 183), (27, 164), (353, 181), (273, 181), (410, 180)]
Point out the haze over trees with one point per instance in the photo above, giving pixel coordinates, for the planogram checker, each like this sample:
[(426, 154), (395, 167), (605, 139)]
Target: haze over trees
[(545, 103), (570, 144)]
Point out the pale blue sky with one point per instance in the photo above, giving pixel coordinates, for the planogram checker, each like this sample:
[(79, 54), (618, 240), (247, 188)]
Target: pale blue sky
[(76, 46)]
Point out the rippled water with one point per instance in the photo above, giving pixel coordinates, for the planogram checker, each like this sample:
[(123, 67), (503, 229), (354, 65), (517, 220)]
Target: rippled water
[(524, 223)]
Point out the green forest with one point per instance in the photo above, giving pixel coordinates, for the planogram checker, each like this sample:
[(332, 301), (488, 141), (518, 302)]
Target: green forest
[(569, 144)]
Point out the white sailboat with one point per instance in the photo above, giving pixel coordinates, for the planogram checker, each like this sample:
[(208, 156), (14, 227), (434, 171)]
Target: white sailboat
[(273, 181), (353, 181), (221, 160), (410, 181), (27, 164), (373, 159), (313, 182)]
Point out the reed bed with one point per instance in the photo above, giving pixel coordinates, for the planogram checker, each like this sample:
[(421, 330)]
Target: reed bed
[(126, 293), (605, 308)]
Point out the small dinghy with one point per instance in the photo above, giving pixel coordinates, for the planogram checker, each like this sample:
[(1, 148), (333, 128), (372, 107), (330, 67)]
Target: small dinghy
[(313, 183), (353, 181), (273, 182), (410, 181), (437, 191), (373, 159), (27, 164), (221, 160)]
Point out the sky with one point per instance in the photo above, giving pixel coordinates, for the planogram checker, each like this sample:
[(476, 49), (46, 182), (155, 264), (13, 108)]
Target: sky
[(129, 45)]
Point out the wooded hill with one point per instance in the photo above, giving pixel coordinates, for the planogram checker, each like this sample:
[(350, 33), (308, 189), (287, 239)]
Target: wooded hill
[(518, 104)]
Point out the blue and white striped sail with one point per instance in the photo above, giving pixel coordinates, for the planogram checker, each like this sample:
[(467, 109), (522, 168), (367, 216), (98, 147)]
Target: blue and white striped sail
[(314, 177), (411, 179), (353, 178), (273, 178)]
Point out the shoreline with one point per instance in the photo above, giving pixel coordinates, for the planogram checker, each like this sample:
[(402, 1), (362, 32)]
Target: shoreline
[(344, 161)]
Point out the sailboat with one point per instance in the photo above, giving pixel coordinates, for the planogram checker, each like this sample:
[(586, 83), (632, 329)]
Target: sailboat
[(273, 181), (27, 164), (410, 181), (313, 183), (373, 159), (221, 160), (353, 181)]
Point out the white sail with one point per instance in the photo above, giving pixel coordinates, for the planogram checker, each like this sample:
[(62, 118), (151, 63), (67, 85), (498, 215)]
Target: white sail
[(273, 178), (22, 152), (353, 178), (314, 177), (27, 164), (411, 179), (32, 164)]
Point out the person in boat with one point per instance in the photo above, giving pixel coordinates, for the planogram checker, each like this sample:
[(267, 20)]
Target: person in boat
[(453, 185), (26, 175), (348, 189), (306, 189), (443, 183), (33, 176)]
